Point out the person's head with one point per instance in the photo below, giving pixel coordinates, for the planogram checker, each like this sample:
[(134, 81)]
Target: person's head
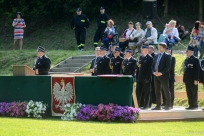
[(138, 25), (110, 23), (130, 24), (102, 10), (78, 11), (112, 48), (149, 24), (151, 49), (103, 50), (117, 52), (40, 51), (97, 51), (195, 32), (162, 47), (18, 14), (197, 25), (144, 49), (128, 53), (189, 51), (172, 23), (169, 51)]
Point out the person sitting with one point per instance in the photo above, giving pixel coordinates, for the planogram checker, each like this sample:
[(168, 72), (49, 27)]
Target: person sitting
[(181, 30), (109, 33), (126, 35), (195, 43), (150, 35), (171, 33)]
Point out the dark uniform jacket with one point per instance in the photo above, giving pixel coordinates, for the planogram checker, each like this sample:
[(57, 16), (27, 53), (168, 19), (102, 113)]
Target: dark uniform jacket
[(93, 65), (110, 55), (42, 64), (201, 74), (164, 65), (191, 69), (102, 65), (144, 68), (102, 20), (172, 69), (80, 21), (115, 65), (129, 66)]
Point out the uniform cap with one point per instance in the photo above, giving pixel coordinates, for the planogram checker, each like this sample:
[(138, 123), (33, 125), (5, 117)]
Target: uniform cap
[(168, 48), (41, 49), (117, 49), (78, 9), (128, 50), (190, 48), (103, 48), (145, 47), (101, 8)]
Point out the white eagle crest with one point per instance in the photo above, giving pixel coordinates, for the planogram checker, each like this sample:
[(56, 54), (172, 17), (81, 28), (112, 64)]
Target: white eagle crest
[(62, 94)]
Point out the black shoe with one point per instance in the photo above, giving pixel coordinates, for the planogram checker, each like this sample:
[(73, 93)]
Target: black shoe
[(188, 108), (157, 108), (144, 108), (167, 108), (194, 108), (202, 109), (163, 104)]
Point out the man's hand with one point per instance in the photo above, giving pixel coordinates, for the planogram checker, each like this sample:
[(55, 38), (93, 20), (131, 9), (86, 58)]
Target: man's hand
[(36, 72), (159, 73), (195, 82), (91, 70)]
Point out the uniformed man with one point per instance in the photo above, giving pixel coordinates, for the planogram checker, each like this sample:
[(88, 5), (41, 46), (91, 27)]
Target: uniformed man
[(42, 62), (191, 77), (102, 64), (129, 63), (93, 62), (115, 62), (143, 77), (80, 23), (102, 24), (201, 75)]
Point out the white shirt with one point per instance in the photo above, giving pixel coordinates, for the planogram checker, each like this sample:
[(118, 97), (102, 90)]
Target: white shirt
[(128, 33)]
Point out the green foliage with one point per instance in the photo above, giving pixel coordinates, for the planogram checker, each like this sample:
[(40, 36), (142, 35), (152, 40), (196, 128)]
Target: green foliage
[(184, 102)]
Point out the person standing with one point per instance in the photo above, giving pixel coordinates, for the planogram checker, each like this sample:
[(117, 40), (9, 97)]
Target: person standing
[(93, 62), (42, 62), (191, 78), (80, 23), (19, 25), (161, 67), (143, 77), (201, 74), (115, 62), (129, 63), (101, 23)]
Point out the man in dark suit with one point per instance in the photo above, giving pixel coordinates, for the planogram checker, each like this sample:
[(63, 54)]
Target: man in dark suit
[(129, 63), (201, 74), (191, 77), (115, 62), (171, 79), (42, 62), (161, 66), (93, 62), (143, 77), (102, 64)]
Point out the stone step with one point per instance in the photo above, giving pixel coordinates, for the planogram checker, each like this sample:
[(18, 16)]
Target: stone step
[(84, 57), (77, 61), (64, 69), (71, 65)]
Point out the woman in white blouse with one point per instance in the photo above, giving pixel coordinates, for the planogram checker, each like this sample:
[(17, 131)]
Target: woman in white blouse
[(170, 33)]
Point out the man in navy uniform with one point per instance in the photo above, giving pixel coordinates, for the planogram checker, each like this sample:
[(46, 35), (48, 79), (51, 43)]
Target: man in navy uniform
[(102, 24), (115, 62), (129, 63), (42, 62), (102, 64), (143, 77), (191, 77), (80, 23), (201, 74), (161, 67), (93, 62)]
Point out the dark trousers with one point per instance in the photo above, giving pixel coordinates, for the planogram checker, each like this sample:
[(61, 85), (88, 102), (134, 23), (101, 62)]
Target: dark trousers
[(80, 35), (171, 88), (192, 94), (123, 45), (158, 83), (143, 92), (98, 35), (152, 94)]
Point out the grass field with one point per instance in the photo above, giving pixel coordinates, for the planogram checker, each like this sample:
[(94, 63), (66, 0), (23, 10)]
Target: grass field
[(53, 127)]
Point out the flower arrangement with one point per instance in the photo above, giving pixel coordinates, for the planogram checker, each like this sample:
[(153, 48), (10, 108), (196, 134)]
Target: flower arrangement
[(14, 109), (85, 112), (36, 109), (71, 111)]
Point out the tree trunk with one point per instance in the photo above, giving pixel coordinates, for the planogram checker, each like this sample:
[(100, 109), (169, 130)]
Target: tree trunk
[(200, 10), (165, 8)]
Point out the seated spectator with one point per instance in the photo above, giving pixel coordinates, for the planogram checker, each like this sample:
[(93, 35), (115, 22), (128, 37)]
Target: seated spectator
[(136, 37), (150, 35), (109, 33), (195, 43), (126, 35), (181, 30), (171, 33)]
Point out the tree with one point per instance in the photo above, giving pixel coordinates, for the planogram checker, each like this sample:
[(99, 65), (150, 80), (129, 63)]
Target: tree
[(200, 10), (165, 8)]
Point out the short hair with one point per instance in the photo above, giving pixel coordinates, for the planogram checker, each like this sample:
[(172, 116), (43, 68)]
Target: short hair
[(130, 22), (111, 21), (97, 49), (163, 44), (138, 24), (172, 22), (152, 47)]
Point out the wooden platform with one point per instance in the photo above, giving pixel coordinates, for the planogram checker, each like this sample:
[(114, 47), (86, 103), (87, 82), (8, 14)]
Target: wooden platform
[(177, 113)]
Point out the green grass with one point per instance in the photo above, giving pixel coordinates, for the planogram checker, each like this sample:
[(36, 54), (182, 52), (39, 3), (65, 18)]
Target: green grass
[(52, 127), (27, 57), (184, 102)]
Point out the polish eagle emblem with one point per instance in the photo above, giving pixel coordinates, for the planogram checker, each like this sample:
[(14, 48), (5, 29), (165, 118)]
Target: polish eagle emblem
[(62, 93)]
